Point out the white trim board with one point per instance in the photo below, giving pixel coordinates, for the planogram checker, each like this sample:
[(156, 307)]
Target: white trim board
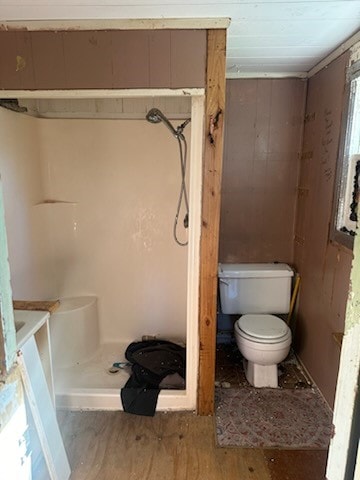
[(350, 42), (233, 75), (43, 412), (104, 93), (344, 409), (193, 270), (7, 324), (341, 450), (118, 24)]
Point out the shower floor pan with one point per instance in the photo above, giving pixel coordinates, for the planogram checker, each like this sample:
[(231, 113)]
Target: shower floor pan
[(90, 386)]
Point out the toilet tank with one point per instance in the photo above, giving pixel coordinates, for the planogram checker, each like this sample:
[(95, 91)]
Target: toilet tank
[(255, 287)]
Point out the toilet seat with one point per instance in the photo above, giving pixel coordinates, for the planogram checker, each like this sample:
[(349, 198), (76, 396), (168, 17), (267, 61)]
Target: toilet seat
[(265, 329)]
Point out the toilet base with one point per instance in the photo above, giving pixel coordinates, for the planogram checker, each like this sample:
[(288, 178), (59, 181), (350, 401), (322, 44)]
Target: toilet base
[(261, 376)]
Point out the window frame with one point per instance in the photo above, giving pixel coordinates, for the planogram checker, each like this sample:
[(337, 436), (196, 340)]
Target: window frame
[(341, 178)]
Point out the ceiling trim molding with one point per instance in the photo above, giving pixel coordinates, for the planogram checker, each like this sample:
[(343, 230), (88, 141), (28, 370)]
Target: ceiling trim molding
[(118, 24), (350, 42), (234, 75)]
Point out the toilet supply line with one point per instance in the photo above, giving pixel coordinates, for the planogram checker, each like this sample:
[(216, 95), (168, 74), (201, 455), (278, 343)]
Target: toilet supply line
[(293, 298)]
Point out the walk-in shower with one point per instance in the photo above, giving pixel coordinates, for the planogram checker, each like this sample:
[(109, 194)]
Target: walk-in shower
[(105, 249), (156, 116)]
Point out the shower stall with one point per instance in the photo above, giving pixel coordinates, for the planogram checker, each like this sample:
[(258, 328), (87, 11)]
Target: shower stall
[(107, 196)]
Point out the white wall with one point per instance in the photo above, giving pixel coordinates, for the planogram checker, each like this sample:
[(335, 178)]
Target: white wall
[(21, 178), (116, 186), (114, 239)]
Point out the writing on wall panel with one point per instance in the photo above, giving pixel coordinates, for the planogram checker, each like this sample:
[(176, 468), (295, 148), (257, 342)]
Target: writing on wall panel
[(326, 141)]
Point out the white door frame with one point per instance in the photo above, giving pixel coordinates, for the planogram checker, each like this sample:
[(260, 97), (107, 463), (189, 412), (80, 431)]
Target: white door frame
[(343, 445)]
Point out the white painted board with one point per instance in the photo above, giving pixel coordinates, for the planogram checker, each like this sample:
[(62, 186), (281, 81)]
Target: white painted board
[(43, 411)]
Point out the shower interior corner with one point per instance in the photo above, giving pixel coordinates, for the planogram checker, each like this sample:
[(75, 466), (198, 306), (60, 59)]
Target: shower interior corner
[(84, 376)]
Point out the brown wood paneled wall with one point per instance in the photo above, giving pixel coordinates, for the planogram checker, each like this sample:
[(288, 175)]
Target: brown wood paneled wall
[(324, 266), (41, 60), (263, 136)]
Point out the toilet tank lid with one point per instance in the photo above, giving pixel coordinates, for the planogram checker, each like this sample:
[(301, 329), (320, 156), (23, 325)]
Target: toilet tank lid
[(254, 270)]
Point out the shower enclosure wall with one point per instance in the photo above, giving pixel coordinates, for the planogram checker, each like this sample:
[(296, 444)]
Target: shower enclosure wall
[(103, 199)]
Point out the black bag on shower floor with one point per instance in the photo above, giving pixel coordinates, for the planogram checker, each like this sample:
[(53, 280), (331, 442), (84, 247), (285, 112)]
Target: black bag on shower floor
[(152, 361)]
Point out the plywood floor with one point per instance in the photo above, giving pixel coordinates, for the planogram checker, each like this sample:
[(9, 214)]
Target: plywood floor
[(172, 446)]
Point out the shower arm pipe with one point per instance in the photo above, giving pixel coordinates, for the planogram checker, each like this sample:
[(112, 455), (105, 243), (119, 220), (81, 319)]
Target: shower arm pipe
[(180, 128), (169, 126)]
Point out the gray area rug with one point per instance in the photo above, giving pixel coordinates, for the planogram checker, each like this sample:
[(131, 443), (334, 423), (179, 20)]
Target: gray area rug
[(272, 418)]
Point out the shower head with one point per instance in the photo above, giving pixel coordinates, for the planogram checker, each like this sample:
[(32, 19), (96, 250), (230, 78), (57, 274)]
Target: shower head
[(156, 116)]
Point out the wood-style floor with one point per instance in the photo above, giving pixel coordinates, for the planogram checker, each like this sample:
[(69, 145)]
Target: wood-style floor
[(172, 446)]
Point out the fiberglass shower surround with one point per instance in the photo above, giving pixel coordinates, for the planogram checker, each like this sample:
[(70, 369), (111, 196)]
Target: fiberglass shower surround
[(156, 116)]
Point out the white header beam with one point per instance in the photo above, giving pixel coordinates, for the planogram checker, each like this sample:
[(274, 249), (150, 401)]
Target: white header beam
[(118, 24), (233, 75), (94, 93)]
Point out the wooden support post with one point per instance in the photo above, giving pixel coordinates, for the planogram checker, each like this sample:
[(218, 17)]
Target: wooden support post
[(210, 219)]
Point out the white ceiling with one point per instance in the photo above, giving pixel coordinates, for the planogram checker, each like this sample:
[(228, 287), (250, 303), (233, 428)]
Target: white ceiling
[(272, 37)]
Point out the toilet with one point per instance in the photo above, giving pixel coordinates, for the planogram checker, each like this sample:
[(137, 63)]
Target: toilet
[(258, 292)]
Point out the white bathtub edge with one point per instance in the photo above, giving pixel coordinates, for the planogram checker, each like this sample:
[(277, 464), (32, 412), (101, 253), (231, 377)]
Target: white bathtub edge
[(109, 399)]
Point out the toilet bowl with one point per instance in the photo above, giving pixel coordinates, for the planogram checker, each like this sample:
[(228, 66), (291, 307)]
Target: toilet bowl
[(264, 341)]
